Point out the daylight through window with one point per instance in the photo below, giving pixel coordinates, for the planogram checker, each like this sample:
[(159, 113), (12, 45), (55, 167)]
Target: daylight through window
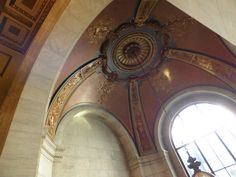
[(208, 133)]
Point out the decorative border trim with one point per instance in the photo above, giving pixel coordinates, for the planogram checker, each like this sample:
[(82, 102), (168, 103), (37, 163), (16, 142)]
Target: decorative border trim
[(144, 10), (225, 72), (64, 93), (142, 135)]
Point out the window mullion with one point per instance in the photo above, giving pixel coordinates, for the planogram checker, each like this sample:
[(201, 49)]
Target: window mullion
[(225, 146), (203, 157)]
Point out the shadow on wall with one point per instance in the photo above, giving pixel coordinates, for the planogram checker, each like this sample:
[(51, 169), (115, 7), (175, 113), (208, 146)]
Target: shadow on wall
[(93, 143)]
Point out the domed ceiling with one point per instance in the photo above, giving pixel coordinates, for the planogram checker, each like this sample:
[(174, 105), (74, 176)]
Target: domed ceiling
[(135, 56)]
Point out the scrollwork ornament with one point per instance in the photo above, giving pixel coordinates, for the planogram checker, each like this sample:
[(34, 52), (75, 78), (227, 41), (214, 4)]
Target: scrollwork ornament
[(104, 90)]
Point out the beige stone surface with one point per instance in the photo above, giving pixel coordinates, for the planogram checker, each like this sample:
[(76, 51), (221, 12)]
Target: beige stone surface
[(21, 151), (90, 149), (218, 15)]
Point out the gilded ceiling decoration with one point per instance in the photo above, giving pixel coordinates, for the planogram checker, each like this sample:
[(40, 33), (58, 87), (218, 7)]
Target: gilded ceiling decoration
[(65, 92), (132, 51), (221, 70), (104, 90), (100, 30), (142, 135), (178, 25), (144, 10), (133, 54)]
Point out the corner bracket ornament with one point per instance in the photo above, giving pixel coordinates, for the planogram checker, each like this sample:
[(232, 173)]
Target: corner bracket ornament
[(64, 93)]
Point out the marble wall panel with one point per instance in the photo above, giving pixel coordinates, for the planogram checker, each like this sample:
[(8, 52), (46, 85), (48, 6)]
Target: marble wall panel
[(90, 149)]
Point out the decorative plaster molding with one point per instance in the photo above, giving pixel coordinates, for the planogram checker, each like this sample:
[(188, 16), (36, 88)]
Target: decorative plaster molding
[(225, 72), (100, 30), (178, 25), (144, 10), (104, 90), (144, 141), (66, 90)]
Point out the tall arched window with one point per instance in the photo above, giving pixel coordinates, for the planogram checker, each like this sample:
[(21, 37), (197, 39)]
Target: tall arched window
[(208, 133)]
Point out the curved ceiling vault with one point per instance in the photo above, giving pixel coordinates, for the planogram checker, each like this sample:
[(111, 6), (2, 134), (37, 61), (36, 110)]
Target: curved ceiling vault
[(132, 58)]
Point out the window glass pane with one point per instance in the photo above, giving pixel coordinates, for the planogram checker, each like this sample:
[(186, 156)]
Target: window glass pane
[(208, 133), (222, 173), (216, 145), (206, 149), (177, 134), (228, 139), (232, 170), (184, 157)]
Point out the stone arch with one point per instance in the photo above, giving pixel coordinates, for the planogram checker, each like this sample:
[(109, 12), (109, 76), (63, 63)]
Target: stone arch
[(93, 110), (177, 103), (33, 104), (96, 112)]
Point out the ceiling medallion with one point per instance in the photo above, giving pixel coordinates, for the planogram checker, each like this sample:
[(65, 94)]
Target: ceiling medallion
[(132, 51)]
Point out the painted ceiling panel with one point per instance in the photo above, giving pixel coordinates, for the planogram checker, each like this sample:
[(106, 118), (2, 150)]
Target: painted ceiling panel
[(141, 62)]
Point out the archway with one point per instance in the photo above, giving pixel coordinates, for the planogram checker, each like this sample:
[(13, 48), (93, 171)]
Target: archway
[(93, 141)]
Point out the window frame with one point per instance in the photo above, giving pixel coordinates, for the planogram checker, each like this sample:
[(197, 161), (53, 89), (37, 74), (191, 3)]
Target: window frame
[(172, 107)]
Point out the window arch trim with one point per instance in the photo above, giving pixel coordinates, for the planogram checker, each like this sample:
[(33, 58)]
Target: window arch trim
[(183, 99)]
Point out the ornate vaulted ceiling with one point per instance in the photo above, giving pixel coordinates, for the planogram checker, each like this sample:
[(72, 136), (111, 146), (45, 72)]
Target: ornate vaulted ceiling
[(132, 58)]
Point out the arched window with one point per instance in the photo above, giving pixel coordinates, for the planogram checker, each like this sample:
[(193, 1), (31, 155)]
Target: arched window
[(207, 132)]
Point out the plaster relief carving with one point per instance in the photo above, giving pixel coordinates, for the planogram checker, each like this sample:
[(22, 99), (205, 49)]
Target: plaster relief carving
[(178, 26), (104, 90), (65, 92), (100, 30)]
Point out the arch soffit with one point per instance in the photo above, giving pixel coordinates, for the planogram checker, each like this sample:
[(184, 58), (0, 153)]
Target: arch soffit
[(93, 110)]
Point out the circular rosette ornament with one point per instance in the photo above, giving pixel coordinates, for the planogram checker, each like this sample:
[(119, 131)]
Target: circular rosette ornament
[(132, 51)]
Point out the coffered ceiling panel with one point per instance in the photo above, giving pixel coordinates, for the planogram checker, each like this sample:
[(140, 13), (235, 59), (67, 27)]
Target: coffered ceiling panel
[(20, 21)]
